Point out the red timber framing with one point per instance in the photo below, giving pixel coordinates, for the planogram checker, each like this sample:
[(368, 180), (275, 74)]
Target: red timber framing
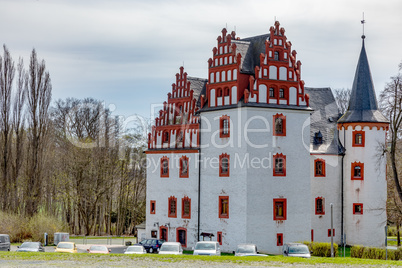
[(278, 71), (177, 126)]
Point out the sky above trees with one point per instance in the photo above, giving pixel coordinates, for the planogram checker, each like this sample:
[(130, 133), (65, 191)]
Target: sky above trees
[(127, 53)]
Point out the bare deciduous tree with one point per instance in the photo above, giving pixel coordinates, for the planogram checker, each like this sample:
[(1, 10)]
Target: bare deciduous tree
[(39, 95), (391, 106), (342, 97)]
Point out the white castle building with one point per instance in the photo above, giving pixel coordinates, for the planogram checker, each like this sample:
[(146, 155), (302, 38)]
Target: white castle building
[(251, 155)]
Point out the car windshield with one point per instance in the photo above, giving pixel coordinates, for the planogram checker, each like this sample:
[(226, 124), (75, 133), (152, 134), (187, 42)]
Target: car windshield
[(205, 246), (170, 248), (29, 245), (246, 249), (300, 249), (134, 249), (98, 248), (65, 245)]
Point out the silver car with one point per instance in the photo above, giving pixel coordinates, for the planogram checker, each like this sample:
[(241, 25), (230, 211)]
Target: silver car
[(207, 248), (296, 250)]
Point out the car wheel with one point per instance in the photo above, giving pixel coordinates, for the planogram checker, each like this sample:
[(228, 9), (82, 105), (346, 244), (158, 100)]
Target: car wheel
[(151, 250)]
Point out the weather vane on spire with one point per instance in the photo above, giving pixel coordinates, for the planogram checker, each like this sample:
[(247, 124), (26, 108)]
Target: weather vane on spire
[(363, 22)]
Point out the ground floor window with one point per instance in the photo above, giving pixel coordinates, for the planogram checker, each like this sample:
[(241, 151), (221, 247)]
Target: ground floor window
[(219, 238), (329, 232), (279, 239), (154, 234)]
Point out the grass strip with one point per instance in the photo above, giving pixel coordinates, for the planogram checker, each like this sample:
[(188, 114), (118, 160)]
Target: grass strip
[(91, 258)]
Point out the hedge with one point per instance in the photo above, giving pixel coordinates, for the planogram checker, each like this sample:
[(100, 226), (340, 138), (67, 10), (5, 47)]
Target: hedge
[(375, 253)]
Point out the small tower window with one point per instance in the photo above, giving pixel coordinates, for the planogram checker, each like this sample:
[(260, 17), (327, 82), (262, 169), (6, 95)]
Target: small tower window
[(357, 171), (319, 168), (224, 165), (358, 208), (279, 165), (358, 139), (319, 206)]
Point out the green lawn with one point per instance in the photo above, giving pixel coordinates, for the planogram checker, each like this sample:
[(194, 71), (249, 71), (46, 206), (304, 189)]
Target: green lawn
[(84, 258)]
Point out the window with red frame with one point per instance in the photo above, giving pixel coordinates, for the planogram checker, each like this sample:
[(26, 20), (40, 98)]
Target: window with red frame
[(165, 137), (219, 238), (358, 138), (358, 208), (357, 171), (319, 168), (279, 239), (183, 167), (319, 206), (164, 167), (312, 235), (172, 209), (224, 123), (186, 208), (279, 125), (224, 165), (279, 165), (280, 209), (329, 232), (223, 206), (181, 236), (152, 207)]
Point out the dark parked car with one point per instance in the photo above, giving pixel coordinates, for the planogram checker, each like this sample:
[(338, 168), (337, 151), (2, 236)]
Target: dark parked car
[(31, 247), (4, 242), (152, 245)]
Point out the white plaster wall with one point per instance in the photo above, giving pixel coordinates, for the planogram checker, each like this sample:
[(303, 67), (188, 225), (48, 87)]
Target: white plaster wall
[(283, 73), (366, 229), (273, 72), (213, 186), (328, 187), (160, 189), (251, 186), (234, 95), (263, 94), (263, 187)]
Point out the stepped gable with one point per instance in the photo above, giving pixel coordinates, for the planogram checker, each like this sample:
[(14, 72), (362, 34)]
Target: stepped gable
[(324, 135), (363, 103)]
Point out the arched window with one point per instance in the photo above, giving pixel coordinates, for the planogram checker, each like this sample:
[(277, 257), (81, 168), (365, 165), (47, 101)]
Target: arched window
[(276, 55), (220, 92), (281, 93), (271, 92)]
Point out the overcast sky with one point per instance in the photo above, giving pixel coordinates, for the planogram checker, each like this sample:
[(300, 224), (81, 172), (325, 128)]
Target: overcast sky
[(127, 53)]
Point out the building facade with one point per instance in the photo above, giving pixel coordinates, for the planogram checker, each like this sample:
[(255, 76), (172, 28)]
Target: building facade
[(251, 155)]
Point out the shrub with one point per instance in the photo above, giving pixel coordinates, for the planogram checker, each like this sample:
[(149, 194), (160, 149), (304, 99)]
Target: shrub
[(356, 251), (22, 229), (321, 249), (375, 253)]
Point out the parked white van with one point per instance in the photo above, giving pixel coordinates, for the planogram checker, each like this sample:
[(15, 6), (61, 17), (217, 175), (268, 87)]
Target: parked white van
[(5, 242)]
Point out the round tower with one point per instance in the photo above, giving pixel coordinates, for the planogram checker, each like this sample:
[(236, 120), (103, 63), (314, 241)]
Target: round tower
[(361, 130)]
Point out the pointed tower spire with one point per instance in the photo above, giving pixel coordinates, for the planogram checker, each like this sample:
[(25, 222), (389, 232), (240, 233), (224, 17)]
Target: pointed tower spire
[(363, 103)]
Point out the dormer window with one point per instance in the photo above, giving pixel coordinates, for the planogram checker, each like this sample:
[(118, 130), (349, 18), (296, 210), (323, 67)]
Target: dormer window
[(318, 138)]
